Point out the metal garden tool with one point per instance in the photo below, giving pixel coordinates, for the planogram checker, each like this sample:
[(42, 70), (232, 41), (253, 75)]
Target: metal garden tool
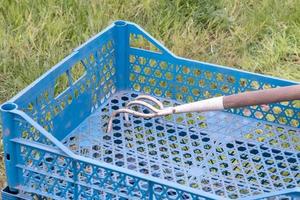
[(244, 99)]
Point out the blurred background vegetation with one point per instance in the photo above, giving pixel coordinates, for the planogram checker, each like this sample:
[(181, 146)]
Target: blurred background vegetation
[(260, 36)]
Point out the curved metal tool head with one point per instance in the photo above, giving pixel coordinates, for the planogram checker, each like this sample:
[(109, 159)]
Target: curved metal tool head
[(139, 101)]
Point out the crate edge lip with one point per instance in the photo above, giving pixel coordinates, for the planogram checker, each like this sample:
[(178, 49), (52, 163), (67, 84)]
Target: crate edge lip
[(78, 49)]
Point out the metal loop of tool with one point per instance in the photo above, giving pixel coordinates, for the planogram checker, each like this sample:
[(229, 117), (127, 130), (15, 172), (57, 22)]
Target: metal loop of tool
[(139, 101)]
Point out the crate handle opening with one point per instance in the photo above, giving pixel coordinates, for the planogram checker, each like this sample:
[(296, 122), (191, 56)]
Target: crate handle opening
[(7, 156), (62, 83)]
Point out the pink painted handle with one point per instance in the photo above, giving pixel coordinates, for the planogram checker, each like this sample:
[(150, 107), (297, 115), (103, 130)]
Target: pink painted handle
[(260, 97)]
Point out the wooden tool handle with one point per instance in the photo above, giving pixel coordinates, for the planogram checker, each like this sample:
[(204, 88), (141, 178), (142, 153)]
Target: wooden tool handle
[(260, 97)]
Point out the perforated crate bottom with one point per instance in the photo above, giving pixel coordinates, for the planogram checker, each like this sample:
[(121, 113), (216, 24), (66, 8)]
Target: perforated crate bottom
[(217, 152)]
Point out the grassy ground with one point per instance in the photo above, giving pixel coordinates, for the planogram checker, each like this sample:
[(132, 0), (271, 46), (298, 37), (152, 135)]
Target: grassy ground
[(261, 36)]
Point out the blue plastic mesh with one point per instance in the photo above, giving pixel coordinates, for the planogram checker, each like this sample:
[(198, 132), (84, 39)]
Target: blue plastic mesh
[(59, 97), (51, 175), (197, 150), (186, 81)]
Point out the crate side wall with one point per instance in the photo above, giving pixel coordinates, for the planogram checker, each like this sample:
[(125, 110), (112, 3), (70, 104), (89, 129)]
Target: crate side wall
[(49, 173), (187, 81), (69, 92)]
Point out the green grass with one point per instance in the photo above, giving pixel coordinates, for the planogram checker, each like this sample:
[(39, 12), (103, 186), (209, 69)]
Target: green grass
[(260, 36)]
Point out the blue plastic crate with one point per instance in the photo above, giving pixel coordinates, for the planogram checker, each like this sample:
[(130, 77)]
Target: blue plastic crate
[(55, 145)]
